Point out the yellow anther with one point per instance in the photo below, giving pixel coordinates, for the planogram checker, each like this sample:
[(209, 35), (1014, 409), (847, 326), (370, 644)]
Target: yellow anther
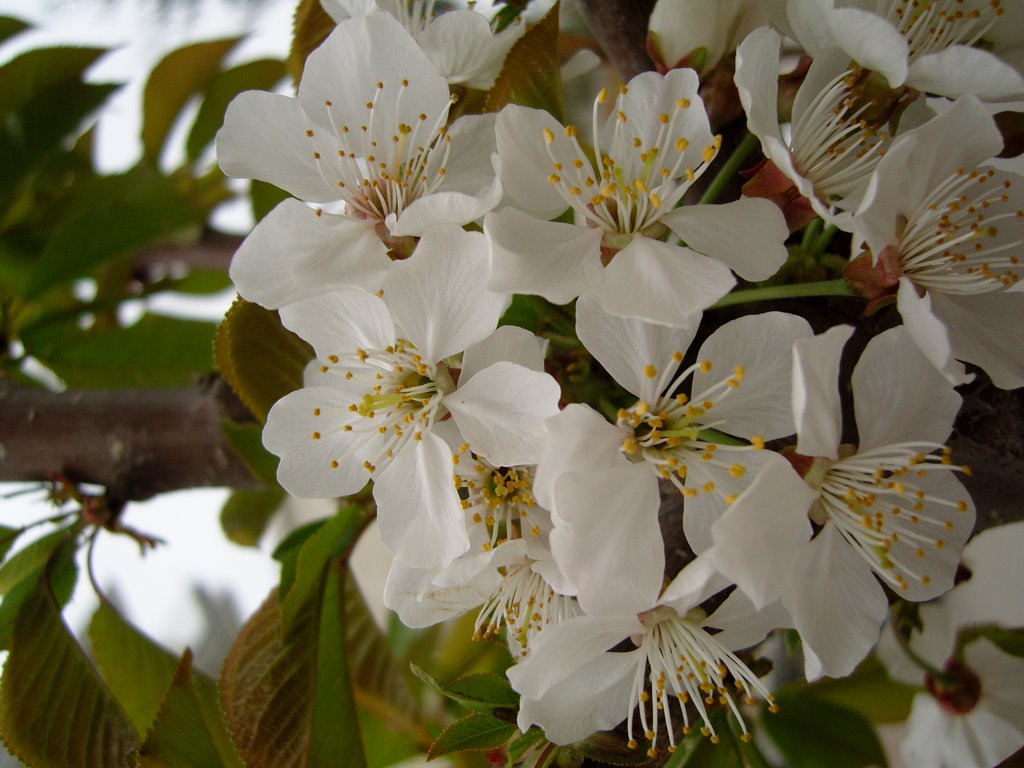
[(683, 103), (602, 96), (705, 366), (549, 137), (757, 441), (737, 470), (650, 371)]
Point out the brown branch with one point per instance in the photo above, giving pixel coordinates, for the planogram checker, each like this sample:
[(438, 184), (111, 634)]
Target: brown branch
[(135, 443), (213, 251), (620, 27)]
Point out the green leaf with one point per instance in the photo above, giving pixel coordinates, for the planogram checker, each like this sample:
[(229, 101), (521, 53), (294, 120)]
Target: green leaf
[(485, 690), (731, 751), (531, 76), (202, 282), (108, 217), (247, 440), (813, 733), (476, 731), (10, 26), (179, 737), (29, 561), (62, 572), (245, 514), (523, 743), (261, 359), (175, 79), (332, 540), (867, 690), (255, 75), (7, 538), (54, 709), (312, 26), (35, 71), (287, 694), (157, 351), (265, 198)]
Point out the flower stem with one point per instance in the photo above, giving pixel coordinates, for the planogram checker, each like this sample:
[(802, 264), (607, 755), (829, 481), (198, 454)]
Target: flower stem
[(797, 290), (929, 669), (824, 239), (728, 170)]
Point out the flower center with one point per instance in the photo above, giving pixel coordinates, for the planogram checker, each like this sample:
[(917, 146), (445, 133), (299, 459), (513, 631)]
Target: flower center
[(667, 433), (381, 166), (682, 661), (627, 194), (400, 396), (525, 603), (896, 525), (498, 498), (933, 25), (952, 243)]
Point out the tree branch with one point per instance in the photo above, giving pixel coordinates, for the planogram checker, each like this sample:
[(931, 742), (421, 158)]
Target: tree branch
[(620, 27), (135, 443)]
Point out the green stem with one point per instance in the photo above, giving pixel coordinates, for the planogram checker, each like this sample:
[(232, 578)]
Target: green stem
[(797, 290), (826, 237), (728, 171), (915, 657), (810, 235)]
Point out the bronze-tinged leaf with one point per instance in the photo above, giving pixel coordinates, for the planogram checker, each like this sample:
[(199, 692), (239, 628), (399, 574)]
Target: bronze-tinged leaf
[(179, 737), (312, 26), (55, 711), (476, 731), (531, 76), (261, 359)]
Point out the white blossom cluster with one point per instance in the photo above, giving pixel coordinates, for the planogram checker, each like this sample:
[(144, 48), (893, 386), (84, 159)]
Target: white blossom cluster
[(409, 232)]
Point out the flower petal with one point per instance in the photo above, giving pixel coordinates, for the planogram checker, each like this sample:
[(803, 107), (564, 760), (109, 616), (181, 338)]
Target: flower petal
[(461, 44), (341, 322), (960, 70), (525, 165), (409, 593), (508, 343), (816, 407), (757, 80), (929, 332)]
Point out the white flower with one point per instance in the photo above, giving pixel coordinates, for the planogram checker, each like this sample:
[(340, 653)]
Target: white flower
[(936, 46), (888, 507), (693, 33), (459, 42), (578, 678), (367, 130), (949, 233), (740, 389), (384, 379), (652, 147), (833, 147)]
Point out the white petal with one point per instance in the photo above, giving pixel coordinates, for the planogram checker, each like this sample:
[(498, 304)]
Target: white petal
[(341, 322), (471, 164), (265, 137), (1002, 678), (577, 438), (681, 26), (899, 396), (607, 539), (747, 234), (871, 41), (993, 558), (762, 345), (693, 585), (508, 343), (810, 24), (593, 698), (626, 345), (661, 283), (438, 295), (837, 606), (502, 409), (462, 46), (960, 70), (927, 735), (550, 259), (418, 510), (409, 593), (757, 80), (764, 532), (743, 626), (294, 253), (306, 461), (816, 407), (525, 165), (929, 332)]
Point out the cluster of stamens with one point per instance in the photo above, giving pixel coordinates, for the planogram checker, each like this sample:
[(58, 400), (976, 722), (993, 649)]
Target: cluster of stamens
[(933, 25), (667, 434), (834, 144), (401, 400), (952, 243), (525, 603), (890, 520), (681, 661), (628, 194), (499, 498), (379, 170)]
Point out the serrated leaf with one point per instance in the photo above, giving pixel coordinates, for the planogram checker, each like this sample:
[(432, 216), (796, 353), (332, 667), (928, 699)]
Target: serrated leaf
[(287, 695), (312, 26), (54, 709), (10, 26), (62, 572), (485, 690), (180, 75), (157, 351), (332, 540), (813, 733), (30, 560), (179, 737), (261, 359), (523, 743), (263, 74), (108, 217), (245, 514), (247, 440), (476, 731), (531, 75), (868, 690), (35, 71)]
